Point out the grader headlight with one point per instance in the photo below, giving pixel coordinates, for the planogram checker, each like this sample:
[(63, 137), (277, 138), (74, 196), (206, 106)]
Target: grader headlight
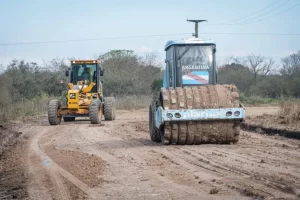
[(72, 95)]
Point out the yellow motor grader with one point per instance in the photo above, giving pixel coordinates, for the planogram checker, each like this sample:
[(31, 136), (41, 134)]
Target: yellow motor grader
[(85, 95)]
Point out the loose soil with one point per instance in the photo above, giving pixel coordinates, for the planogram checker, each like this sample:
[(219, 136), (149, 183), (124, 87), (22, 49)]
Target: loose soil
[(77, 160), (270, 121)]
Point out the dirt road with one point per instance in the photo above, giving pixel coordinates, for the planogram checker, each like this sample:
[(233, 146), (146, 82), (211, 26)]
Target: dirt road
[(255, 111), (117, 160)]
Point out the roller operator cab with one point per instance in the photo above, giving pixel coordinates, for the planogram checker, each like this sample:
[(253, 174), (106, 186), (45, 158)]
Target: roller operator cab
[(190, 63), (191, 107), (85, 95)]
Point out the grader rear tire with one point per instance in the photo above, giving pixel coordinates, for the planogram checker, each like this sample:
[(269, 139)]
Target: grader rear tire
[(95, 111), (109, 108), (53, 112)]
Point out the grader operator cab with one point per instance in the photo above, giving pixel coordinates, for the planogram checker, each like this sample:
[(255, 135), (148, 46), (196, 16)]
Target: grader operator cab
[(191, 107), (85, 95)]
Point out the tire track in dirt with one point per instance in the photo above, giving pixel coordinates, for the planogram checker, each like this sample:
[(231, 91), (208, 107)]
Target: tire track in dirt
[(162, 161), (215, 163), (128, 155), (254, 177), (54, 171), (216, 172), (137, 168), (239, 175), (254, 182), (60, 187), (116, 160)]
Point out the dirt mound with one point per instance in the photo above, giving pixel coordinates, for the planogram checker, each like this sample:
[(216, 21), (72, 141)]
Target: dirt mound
[(13, 180), (273, 121), (8, 137), (85, 167), (129, 166), (272, 124), (290, 112)]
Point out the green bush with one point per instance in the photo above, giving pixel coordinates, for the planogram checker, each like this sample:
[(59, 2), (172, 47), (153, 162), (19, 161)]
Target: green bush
[(26, 87), (133, 102), (257, 100), (128, 74), (270, 87)]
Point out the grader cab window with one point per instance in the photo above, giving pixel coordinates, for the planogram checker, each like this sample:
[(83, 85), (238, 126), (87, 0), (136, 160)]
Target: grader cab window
[(84, 72)]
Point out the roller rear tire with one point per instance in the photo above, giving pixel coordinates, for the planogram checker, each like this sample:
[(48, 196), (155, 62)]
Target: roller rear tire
[(154, 132)]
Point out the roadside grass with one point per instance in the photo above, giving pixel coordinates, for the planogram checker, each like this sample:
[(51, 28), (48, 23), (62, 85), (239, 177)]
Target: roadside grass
[(39, 105), (24, 107), (289, 107), (259, 100), (290, 112), (132, 102)]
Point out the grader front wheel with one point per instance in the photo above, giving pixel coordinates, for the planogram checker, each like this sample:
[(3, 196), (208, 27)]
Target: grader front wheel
[(109, 108), (95, 111), (54, 117)]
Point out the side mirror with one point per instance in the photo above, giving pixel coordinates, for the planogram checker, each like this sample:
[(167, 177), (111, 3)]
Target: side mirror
[(101, 72), (215, 50), (67, 73)]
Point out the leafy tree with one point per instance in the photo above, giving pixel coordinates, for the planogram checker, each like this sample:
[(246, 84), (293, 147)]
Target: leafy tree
[(291, 65), (259, 65), (236, 74), (125, 73), (272, 86)]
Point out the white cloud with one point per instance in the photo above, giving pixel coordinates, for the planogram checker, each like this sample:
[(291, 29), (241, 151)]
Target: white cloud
[(144, 49)]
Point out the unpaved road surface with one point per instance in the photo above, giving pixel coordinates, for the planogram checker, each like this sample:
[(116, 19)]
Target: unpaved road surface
[(256, 111), (117, 160)]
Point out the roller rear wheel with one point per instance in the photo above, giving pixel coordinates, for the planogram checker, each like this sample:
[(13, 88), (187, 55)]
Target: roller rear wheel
[(154, 132)]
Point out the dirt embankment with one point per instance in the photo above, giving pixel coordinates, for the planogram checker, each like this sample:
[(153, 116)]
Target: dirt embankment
[(12, 164), (270, 120), (8, 137)]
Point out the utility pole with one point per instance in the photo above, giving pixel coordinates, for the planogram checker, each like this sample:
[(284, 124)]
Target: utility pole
[(196, 25)]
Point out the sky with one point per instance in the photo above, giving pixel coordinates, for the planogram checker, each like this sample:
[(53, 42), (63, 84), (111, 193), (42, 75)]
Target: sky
[(53, 20)]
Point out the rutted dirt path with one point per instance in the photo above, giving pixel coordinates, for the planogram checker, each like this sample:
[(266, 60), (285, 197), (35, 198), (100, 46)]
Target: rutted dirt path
[(117, 160)]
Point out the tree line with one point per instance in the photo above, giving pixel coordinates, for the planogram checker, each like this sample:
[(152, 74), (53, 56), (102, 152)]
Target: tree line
[(125, 73), (258, 75), (26, 87)]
